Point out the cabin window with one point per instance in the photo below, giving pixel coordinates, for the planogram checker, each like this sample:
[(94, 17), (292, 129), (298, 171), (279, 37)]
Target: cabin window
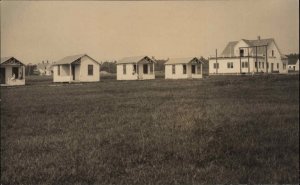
[(90, 70), (277, 65), (151, 68), (199, 69), (145, 68), (173, 69), (184, 69), (58, 70), (124, 69), (193, 69), (216, 65), (241, 52), (15, 71), (229, 64)]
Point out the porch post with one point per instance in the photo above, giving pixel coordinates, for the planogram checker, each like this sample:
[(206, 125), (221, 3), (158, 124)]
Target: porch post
[(137, 70), (153, 69), (70, 73), (201, 69)]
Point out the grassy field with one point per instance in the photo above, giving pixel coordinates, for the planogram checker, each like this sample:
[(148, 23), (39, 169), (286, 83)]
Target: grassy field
[(231, 129)]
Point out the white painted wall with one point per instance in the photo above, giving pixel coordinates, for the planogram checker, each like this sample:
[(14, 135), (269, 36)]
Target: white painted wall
[(179, 72), (64, 74), (131, 75), (84, 77)]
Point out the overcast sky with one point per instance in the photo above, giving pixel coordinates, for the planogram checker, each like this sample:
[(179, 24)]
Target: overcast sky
[(33, 31)]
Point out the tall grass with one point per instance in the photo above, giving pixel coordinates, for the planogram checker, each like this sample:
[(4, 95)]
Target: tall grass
[(214, 130)]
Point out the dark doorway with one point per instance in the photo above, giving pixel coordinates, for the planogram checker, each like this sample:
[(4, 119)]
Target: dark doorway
[(73, 71), (2, 75), (15, 70), (193, 69), (145, 68), (272, 67)]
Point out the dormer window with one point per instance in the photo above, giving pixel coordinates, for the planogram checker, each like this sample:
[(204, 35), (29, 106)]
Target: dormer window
[(241, 52)]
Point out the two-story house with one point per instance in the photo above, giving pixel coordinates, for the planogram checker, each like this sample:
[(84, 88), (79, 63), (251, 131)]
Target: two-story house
[(249, 56)]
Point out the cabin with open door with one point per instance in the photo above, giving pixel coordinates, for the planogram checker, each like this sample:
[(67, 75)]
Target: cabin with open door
[(12, 72)]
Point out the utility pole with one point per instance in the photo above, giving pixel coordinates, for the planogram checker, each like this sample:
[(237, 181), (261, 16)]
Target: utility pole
[(217, 66)]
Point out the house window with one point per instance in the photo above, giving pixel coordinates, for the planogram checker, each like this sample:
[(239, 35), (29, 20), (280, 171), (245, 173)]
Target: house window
[(145, 68), (263, 65), (15, 71), (193, 69), (255, 64), (277, 65), (241, 52), (284, 66), (229, 64), (199, 69), (259, 64), (216, 65), (134, 68), (244, 64), (173, 69), (151, 68), (272, 53), (58, 70), (90, 70), (124, 69), (184, 69)]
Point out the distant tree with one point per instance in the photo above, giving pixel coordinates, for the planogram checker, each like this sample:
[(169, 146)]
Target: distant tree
[(30, 69), (160, 65), (109, 67)]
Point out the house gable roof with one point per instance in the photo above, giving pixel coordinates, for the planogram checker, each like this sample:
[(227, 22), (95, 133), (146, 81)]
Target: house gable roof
[(134, 59), (5, 59), (229, 49), (73, 58), (182, 60)]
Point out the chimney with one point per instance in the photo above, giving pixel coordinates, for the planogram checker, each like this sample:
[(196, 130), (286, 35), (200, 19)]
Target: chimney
[(258, 37)]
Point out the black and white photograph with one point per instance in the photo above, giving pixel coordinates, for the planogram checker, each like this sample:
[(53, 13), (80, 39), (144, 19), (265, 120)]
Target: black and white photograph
[(149, 92)]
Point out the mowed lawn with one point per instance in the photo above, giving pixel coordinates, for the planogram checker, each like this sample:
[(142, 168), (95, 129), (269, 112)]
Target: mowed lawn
[(231, 129)]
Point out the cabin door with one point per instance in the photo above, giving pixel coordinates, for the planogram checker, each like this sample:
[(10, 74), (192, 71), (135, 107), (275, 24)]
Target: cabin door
[(2, 76), (272, 67), (73, 71)]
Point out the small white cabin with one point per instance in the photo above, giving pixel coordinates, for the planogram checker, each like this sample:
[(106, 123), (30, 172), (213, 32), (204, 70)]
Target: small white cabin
[(136, 68), (293, 65), (12, 72), (183, 68), (76, 68)]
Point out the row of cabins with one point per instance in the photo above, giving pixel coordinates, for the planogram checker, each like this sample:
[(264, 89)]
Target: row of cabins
[(238, 57)]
